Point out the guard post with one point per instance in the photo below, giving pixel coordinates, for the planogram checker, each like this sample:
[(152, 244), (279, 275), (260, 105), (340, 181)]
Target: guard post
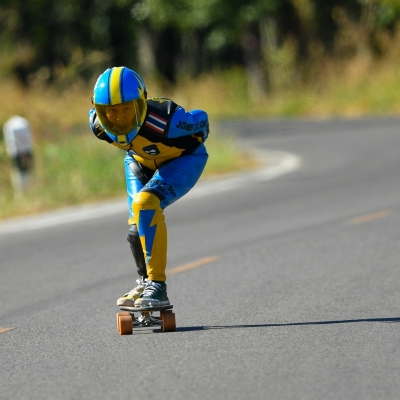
[(18, 141)]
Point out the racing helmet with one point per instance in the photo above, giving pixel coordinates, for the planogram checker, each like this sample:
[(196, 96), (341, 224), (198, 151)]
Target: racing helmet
[(119, 97)]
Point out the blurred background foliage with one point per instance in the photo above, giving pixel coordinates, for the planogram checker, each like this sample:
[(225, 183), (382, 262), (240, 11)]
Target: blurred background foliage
[(63, 41), (233, 58)]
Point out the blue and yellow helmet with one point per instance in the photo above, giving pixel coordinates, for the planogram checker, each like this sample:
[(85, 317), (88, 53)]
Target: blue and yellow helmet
[(120, 90)]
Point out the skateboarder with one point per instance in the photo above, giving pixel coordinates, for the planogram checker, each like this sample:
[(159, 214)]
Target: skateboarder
[(165, 156)]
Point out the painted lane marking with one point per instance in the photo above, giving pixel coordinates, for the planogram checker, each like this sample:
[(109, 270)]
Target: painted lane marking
[(3, 330), (369, 217), (194, 264)]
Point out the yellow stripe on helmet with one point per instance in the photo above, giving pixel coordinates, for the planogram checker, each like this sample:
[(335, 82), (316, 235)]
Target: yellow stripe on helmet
[(115, 88)]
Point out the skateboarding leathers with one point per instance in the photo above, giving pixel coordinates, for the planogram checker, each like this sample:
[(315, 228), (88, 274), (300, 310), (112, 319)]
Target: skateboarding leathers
[(162, 163)]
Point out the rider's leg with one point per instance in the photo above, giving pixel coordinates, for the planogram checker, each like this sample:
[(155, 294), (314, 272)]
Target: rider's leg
[(168, 184), (136, 177), (150, 221)]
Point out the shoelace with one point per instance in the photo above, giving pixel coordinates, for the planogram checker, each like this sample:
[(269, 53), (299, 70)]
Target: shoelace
[(141, 284), (151, 287)]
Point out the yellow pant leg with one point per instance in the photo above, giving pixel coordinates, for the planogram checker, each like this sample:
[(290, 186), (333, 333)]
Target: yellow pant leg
[(150, 221)]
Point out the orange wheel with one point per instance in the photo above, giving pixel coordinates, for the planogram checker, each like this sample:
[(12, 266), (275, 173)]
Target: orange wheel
[(162, 312), (120, 314), (125, 324), (168, 322)]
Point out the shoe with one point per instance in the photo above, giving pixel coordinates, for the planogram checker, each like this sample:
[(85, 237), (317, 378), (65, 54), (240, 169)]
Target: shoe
[(154, 295), (128, 299)]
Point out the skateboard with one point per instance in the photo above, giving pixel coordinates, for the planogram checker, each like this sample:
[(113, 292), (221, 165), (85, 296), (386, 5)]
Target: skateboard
[(127, 319)]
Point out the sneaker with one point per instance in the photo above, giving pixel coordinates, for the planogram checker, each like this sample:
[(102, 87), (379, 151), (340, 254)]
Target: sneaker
[(128, 299), (154, 295)]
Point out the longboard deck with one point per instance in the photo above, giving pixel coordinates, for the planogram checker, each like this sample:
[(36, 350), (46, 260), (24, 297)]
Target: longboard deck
[(146, 309)]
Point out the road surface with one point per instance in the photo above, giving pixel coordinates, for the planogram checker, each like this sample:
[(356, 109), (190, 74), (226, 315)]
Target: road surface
[(284, 286)]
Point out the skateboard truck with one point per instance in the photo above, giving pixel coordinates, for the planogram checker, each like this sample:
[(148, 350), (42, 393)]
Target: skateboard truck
[(127, 320)]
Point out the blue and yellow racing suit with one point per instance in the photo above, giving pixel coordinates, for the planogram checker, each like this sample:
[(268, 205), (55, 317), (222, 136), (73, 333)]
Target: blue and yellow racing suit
[(162, 163)]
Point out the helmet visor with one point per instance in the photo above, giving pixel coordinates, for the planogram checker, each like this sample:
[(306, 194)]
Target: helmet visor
[(122, 118)]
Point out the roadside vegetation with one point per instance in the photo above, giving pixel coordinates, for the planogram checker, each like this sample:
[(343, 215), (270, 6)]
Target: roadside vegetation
[(265, 59), (73, 167)]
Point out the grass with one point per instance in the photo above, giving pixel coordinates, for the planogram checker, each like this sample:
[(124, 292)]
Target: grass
[(358, 87), (81, 169), (73, 167)]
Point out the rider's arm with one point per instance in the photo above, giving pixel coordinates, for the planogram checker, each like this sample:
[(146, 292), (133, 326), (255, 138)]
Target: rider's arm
[(194, 122)]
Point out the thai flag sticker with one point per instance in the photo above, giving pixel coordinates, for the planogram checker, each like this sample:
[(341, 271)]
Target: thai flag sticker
[(156, 123)]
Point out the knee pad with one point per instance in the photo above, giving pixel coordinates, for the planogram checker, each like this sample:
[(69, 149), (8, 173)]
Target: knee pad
[(133, 234), (136, 249), (148, 216), (145, 200)]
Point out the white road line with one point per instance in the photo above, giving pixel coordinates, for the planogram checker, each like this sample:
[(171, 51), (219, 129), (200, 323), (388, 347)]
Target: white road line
[(63, 216), (277, 163)]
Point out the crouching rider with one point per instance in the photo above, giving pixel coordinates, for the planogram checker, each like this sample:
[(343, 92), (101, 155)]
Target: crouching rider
[(165, 156)]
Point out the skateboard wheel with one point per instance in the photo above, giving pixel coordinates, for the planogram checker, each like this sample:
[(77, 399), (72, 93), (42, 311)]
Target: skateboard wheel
[(125, 324), (168, 322), (120, 314), (162, 312)]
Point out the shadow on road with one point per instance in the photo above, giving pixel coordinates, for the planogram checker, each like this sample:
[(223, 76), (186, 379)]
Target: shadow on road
[(345, 321)]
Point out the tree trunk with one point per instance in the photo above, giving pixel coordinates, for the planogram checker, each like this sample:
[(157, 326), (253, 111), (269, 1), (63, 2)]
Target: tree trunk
[(146, 50)]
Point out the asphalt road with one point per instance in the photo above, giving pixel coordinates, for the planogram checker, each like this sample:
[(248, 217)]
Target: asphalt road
[(301, 300)]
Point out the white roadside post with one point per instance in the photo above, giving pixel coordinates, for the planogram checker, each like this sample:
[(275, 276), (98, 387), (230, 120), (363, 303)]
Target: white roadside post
[(18, 141)]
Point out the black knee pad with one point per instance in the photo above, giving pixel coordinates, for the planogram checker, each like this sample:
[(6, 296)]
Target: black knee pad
[(137, 251), (133, 235)]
